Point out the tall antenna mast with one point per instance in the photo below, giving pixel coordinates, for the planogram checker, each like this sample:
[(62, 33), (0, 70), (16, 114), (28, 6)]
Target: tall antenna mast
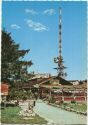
[(59, 60)]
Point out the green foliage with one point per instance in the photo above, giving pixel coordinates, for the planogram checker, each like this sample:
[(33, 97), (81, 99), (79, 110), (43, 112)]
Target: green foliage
[(15, 94), (14, 68), (65, 104), (10, 115), (82, 107), (73, 101)]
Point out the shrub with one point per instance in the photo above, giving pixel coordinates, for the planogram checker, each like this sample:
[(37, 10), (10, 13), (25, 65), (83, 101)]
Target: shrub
[(73, 101), (65, 104)]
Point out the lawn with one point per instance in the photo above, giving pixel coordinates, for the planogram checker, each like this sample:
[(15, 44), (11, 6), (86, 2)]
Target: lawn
[(79, 107), (10, 115), (76, 106)]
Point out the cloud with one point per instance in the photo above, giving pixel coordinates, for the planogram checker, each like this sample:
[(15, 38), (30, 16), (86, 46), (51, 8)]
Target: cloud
[(15, 26), (49, 11), (36, 26), (31, 11)]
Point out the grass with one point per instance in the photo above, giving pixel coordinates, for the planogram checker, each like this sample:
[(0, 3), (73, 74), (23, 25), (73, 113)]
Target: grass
[(10, 115), (79, 107), (76, 106)]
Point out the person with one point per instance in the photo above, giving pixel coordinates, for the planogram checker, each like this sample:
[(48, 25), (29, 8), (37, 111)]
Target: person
[(34, 102), (29, 105)]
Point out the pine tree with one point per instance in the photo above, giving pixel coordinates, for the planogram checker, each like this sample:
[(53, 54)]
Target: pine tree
[(13, 67)]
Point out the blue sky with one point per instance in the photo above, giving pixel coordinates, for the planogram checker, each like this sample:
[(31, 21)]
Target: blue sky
[(34, 25)]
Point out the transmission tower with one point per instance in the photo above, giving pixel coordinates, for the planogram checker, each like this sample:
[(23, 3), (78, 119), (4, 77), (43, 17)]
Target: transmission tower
[(59, 60)]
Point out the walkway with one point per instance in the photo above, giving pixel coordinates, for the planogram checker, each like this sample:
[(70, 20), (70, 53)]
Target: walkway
[(57, 115)]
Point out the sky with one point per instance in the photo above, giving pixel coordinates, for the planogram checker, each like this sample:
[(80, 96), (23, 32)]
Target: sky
[(34, 25)]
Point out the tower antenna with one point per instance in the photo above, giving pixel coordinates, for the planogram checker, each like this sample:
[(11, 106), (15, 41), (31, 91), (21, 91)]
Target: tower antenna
[(59, 60)]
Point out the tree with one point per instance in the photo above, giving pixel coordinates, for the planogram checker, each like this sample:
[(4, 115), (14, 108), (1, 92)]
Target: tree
[(12, 64)]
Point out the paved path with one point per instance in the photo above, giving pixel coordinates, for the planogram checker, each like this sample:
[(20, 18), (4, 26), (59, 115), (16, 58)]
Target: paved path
[(57, 115)]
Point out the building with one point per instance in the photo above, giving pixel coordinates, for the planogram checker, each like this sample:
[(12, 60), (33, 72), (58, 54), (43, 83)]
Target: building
[(62, 90), (4, 90), (75, 82)]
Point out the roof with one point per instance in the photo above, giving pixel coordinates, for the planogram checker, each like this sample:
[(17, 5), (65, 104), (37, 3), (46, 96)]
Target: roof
[(61, 81), (4, 89), (42, 81)]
